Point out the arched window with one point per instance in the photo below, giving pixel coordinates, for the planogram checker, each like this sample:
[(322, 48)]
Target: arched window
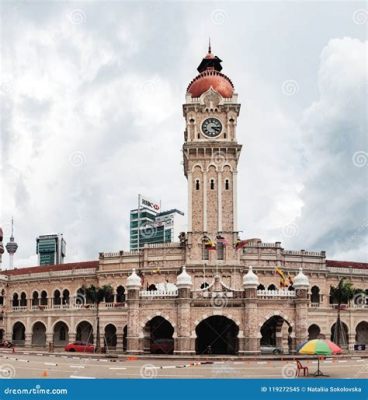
[(315, 297), (152, 287), (291, 287), (225, 135), (204, 285), (197, 184), (212, 184), (227, 184), (205, 252), (57, 298), (35, 299), (43, 298), (120, 294), (23, 299), (15, 300), (271, 287), (260, 287), (66, 296)]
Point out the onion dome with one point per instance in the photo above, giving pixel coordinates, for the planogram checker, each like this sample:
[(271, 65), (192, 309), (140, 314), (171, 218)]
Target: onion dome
[(183, 279), (250, 279), (133, 281), (301, 281), (210, 77)]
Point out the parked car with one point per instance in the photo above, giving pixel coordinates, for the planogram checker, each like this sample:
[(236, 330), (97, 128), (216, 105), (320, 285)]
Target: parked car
[(6, 344), (80, 347), (162, 346), (268, 349)]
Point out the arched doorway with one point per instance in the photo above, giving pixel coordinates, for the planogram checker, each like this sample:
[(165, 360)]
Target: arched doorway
[(44, 298), (66, 296), (23, 300), (344, 334), (110, 336), (158, 336), (84, 332), (314, 297), (39, 334), (313, 332), (61, 334), (217, 335), (120, 294), (276, 333), (57, 298), (15, 301), (361, 330), (19, 334)]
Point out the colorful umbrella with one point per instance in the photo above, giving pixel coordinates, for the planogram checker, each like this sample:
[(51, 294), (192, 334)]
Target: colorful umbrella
[(320, 347), (300, 345)]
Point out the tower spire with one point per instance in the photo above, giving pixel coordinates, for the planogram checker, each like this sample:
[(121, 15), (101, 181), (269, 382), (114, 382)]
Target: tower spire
[(209, 45), (11, 246)]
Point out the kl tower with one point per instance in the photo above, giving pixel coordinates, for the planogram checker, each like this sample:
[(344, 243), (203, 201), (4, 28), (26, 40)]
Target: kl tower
[(11, 247)]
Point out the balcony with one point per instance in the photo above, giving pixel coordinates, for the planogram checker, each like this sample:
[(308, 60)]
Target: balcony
[(158, 294), (267, 294)]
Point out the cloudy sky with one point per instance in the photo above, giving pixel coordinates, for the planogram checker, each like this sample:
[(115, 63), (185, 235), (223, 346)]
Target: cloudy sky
[(91, 96)]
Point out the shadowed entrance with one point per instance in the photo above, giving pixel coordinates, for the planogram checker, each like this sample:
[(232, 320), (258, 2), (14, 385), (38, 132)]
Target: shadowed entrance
[(217, 335)]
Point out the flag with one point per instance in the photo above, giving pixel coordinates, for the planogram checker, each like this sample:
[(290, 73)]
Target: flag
[(221, 239), (208, 243)]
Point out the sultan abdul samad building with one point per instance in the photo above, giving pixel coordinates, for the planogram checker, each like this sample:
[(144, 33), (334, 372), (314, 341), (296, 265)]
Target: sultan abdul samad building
[(207, 291)]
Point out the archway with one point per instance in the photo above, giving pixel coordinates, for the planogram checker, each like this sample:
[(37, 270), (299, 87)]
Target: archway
[(260, 287), (2, 334), (35, 299), (39, 334), (217, 335), (204, 285), (361, 330), (110, 336), (84, 332), (344, 334), (44, 298), (19, 333), (314, 297), (23, 299), (57, 297), (314, 332), (158, 334), (271, 287), (120, 294), (66, 296), (61, 334), (276, 333), (15, 301)]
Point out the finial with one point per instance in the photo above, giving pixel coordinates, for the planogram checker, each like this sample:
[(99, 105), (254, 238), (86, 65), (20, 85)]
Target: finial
[(209, 45)]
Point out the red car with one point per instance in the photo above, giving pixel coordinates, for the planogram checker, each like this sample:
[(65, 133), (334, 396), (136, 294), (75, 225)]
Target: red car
[(80, 347), (162, 346)]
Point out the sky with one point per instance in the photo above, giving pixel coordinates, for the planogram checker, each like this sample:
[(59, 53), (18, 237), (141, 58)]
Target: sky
[(91, 98)]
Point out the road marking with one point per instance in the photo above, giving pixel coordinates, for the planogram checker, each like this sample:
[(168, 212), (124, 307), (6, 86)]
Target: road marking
[(262, 362), (39, 354), (117, 368), (342, 361), (77, 366), (358, 360), (327, 362), (103, 360), (49, 363), (23, 360), (81, 377), (167, 367)]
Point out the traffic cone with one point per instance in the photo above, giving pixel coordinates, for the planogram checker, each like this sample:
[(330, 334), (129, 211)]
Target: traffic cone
[(45, 374)]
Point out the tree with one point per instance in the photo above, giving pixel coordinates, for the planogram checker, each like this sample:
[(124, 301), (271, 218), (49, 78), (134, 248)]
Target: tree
[(96, 295), (342, 294)]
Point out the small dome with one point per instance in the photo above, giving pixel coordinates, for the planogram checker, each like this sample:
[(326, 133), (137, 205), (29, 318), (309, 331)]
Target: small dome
[(211, 79), (301, 281), (183, 279), (133, 280), (250, 279)]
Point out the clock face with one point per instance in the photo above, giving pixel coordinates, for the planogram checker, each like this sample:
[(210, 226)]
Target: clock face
[(211, 127)]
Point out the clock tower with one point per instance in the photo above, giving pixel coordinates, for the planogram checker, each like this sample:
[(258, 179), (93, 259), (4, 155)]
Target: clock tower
[(211, 154)]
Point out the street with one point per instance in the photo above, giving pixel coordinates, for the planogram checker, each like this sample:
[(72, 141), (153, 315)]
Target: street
[(76, 367)]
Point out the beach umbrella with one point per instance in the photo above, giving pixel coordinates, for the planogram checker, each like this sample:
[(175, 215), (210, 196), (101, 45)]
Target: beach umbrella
[(300, 345), (321, 347)]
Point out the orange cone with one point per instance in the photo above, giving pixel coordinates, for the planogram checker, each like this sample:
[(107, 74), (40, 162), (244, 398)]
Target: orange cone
[(45, 373)]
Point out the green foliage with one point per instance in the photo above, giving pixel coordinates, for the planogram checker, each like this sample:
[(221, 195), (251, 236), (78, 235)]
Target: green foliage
[(96, 295), (343, 292)]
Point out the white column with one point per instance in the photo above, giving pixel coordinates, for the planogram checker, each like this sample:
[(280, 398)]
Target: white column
[(190, 188), (219, 202), (205, 201), (235, 202)]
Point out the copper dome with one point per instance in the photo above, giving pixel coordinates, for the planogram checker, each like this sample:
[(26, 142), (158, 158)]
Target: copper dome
[(207, 79), (210, 77)]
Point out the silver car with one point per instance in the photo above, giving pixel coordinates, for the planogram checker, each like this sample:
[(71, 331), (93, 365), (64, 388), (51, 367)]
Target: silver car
[(268, 349)]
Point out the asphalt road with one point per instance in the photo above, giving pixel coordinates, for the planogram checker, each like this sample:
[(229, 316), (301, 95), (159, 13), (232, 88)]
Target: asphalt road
[(75, 367)]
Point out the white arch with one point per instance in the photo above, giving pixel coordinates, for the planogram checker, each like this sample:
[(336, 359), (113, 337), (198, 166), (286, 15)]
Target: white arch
[(197, 165), (158, 314), (276, 314), (56, 322)]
